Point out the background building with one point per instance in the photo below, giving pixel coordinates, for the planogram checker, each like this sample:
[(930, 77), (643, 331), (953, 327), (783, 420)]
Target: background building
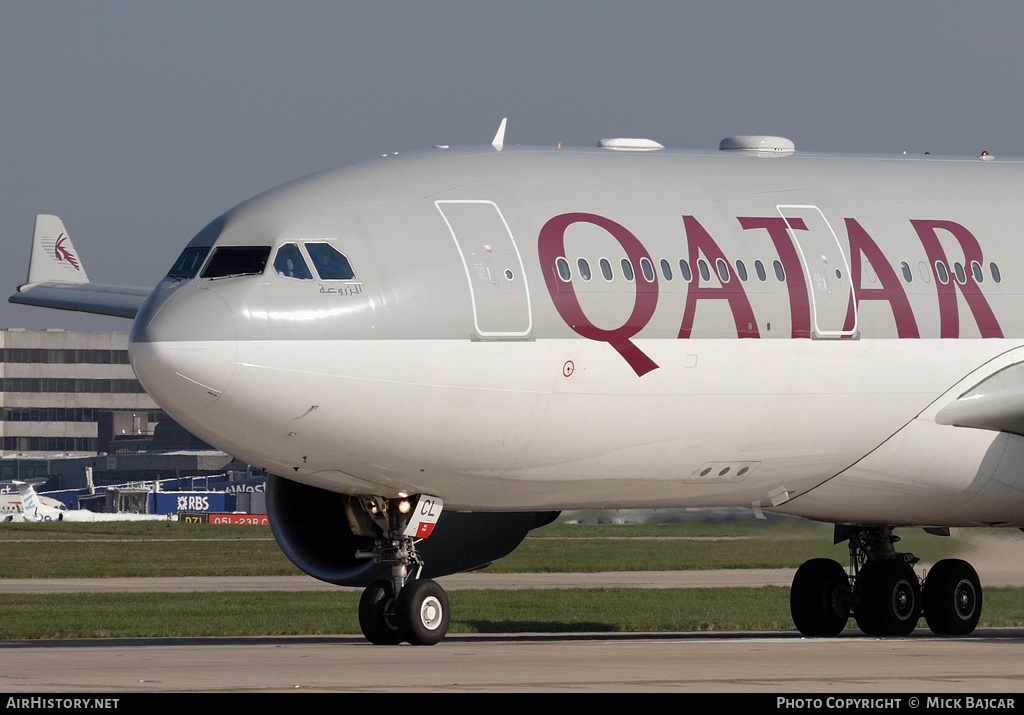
[(77, 423), (57, 388)]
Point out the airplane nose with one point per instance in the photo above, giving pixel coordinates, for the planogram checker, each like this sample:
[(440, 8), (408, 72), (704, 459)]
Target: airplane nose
[(183, 349)]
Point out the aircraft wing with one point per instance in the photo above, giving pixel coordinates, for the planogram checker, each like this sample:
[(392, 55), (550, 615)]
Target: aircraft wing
[(119, 301), (57, 279)]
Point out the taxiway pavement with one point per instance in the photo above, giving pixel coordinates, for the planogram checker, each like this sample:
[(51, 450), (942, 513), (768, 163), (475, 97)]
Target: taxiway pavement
[(988, 661), (766, 662)]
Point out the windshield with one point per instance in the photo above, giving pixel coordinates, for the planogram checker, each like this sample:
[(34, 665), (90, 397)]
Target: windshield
[(330, 264), (188, 262), (237, 261), (289, 263)]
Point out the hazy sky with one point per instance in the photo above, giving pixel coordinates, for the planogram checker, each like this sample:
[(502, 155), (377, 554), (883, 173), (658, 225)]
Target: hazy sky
[(138, 122)]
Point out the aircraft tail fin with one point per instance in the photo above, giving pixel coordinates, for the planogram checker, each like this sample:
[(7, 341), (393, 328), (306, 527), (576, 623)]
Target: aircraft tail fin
[(33, 507), (57, 279), (29, 498), (54, 258)]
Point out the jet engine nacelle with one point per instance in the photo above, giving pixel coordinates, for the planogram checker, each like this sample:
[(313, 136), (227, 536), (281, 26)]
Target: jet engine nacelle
[(311, 527)]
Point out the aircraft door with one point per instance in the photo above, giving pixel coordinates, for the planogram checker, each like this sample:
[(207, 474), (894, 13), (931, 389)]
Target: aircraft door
[(494, 269), (826, 270)]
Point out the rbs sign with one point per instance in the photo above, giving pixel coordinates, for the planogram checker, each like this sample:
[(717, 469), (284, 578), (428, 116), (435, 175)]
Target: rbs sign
[(195, 502)]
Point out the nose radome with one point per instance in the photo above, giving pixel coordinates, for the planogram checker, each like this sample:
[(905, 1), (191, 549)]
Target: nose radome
[(184, 377), (184, 353)]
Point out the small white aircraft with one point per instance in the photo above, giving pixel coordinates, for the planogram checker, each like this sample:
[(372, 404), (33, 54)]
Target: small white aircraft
[(515, 331), (26, 505), (35, 508)]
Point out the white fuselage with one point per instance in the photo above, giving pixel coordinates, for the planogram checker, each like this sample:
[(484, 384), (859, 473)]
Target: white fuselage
[(815, 396), (722, 423)]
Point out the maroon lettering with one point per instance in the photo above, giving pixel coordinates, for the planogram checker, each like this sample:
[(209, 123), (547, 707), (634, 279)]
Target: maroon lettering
[(551, 247), (948, 311), (701, 247), (700, 241), (861, 244), (799, 300)]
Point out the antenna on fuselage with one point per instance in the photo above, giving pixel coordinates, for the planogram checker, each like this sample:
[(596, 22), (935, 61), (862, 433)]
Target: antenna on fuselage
[(499, 138)]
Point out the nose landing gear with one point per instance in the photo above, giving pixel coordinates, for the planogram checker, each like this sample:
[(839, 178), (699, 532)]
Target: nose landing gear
[(413, 610)]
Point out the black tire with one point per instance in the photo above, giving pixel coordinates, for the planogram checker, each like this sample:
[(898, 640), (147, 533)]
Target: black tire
[(889, 598), (377, 614), (422, 612), (952, 598), (819, 599)]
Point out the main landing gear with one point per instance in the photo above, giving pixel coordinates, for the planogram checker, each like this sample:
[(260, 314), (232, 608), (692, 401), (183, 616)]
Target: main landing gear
[(884, 594), (414, 610)]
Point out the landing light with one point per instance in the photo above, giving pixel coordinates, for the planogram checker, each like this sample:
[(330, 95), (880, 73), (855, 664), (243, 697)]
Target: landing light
[(404, 506)]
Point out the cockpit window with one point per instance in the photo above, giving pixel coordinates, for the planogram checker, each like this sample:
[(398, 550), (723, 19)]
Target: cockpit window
[(330, 264), (237, 261), (189, 262), (289, 263)]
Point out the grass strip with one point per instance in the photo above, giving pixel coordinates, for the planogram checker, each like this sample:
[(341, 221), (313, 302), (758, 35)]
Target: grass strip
[(136, 559), (325, 613), (122, 550)]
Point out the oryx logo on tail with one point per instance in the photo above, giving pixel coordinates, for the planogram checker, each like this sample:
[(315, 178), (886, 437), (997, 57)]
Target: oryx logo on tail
[(64, 253), (54, 257)]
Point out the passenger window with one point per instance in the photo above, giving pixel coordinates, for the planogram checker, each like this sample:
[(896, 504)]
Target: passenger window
[(705, 272), (606, 269), (684, 268), (908, 275), (627, 269), (329, 263), (759, 267), (723, 270), (563, 269), (289, 263), (189, 262), (741, 271), (666, 269), (995, 272), (961, 275), (237, 261), (976, 270), (647, 269), (780, 273), (941, 272), (584, 269)]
